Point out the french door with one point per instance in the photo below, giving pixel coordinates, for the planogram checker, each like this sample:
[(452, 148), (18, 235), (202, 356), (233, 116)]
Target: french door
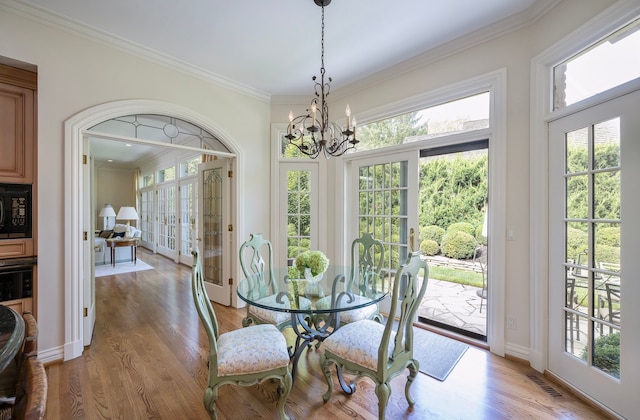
[(167, 221), (594, 238), (299, 223), (214, 235), (387, 207), (147, 218), (188, 217)]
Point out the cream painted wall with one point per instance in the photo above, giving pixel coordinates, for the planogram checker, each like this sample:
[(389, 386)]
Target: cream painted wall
[(514, 52), (116, 187), (75, 73)]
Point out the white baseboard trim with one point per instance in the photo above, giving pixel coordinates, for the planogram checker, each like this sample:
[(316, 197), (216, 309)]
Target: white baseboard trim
[(53, 355), (519, 352)]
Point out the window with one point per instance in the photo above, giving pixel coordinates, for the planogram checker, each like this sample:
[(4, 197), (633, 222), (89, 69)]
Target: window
[(190, 167), (607, 64), (298, 213), (462, 115), (166, 175), (147, 180)]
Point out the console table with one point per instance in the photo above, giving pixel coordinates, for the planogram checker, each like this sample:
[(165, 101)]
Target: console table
[(112, 244)]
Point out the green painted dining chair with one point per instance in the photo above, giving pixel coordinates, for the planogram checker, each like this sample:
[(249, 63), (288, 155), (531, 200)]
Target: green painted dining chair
[(370, 349), (256, 261), (367, 257), (243, 357)]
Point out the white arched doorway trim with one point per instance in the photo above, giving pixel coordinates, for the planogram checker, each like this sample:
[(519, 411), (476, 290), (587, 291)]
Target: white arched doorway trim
[(75, 128)]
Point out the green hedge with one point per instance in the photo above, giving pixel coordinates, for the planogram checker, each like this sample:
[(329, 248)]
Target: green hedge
[(460, 245)]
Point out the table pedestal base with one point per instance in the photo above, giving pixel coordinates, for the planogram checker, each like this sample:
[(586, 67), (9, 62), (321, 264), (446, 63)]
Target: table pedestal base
[(307, 331)]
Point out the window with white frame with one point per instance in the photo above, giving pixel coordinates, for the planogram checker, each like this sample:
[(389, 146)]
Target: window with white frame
[(609, 63)]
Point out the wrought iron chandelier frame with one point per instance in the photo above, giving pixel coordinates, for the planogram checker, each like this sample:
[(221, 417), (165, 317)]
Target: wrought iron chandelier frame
[(312, 133)]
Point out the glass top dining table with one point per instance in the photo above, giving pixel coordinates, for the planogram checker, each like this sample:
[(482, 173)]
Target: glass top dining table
[(315, 304)]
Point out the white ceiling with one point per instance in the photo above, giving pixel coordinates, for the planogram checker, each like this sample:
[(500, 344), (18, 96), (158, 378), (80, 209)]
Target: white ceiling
[(272, 47)]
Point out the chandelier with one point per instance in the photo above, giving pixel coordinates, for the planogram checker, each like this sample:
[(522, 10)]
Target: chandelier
[(312, 133)]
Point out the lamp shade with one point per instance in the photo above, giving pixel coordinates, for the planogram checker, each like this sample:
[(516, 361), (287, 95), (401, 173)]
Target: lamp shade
[(127, 213), (107, 211)]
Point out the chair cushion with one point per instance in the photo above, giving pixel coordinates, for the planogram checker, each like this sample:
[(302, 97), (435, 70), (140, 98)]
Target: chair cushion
[(353, 315), (275, 317), (251, 350), (358, 342)]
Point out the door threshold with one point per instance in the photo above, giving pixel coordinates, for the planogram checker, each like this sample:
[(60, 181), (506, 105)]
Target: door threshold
[(453, 335)]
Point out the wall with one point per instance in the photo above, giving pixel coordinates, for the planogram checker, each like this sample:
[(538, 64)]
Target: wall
[(514, 52), (116, 187), (75, 73)]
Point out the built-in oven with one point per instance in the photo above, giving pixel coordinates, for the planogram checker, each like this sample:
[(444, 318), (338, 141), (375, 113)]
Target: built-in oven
[(16, 278), (15, 211)]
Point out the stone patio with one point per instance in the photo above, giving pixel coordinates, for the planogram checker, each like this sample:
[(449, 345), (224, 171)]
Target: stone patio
[(454, 304)]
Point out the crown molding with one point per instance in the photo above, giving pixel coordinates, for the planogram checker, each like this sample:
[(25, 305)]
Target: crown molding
[(82, 30)]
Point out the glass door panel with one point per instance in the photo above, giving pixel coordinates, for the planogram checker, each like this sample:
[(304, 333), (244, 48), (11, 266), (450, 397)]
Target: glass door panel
[(213, 221), (387, 208), (188, 218), (593, 238), (167, 218), (147, 218)]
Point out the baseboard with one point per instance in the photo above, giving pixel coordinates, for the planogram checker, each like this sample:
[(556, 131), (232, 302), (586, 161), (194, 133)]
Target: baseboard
[(51, 356), (517, 352)]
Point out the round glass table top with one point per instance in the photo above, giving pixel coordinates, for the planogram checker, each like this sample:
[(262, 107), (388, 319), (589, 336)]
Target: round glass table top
[(328, 293)]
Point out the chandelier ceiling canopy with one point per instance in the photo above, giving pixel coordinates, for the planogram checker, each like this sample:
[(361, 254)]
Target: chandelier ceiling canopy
[(312, 133)]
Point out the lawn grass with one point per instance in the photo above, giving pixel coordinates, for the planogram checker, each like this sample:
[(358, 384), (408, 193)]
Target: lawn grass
[(455, 275)]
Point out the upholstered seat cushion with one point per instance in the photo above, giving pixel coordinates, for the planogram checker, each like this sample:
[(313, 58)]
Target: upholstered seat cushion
[(251, 350), (274, 317), (352, 315), (358, 342)]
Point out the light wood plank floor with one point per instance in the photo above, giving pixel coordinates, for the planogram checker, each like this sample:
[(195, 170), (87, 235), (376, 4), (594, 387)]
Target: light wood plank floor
[(148, 356)]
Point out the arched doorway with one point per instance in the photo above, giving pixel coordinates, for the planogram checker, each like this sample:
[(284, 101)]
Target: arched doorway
[(78, 212)]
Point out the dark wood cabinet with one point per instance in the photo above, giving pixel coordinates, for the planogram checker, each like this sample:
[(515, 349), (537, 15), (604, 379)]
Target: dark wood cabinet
[(18, 161), (17, 125)]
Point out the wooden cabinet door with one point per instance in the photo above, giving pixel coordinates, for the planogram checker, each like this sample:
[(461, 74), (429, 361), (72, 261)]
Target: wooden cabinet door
[(17, 134)]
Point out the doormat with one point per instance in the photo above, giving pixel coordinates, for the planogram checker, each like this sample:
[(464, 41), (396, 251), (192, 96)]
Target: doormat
[(437, 354)]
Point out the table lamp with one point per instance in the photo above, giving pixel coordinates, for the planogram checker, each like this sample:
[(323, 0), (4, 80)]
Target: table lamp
[(106, 212), (128, 214)]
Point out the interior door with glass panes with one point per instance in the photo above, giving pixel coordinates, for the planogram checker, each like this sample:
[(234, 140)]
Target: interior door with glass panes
[(147, 218), (594, 238), (167, 221), (214, 235), (188, 217)]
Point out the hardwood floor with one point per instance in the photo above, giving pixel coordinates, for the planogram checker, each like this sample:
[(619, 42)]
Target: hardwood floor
[(148, 356)]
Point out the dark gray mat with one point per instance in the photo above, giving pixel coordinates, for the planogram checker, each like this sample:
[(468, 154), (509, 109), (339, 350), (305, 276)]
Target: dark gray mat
[(437, 355)]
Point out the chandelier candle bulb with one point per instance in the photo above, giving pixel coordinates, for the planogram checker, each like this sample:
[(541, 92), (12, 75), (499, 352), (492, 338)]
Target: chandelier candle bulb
[(348, 112), (313, 109)]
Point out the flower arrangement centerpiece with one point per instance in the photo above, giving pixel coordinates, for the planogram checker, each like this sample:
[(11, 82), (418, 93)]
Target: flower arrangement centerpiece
[(312, 264)]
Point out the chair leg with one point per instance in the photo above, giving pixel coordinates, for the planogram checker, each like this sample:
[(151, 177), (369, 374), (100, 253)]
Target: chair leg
[(210, 396), (326, 369), (413, 373), (284, 389), (382, 391)]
